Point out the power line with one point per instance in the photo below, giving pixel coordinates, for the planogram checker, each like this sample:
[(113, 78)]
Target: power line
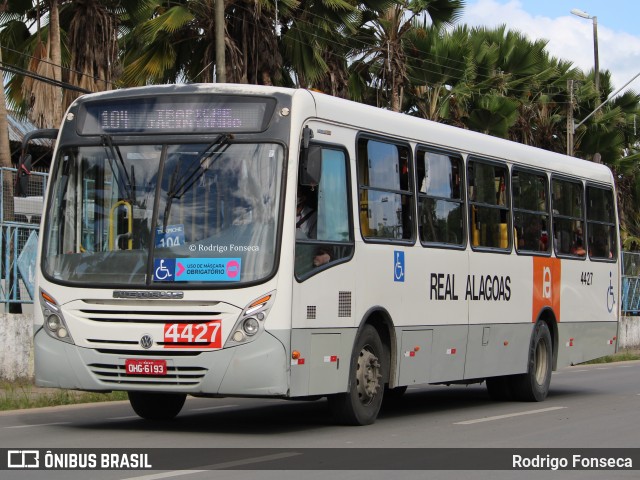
[(19, 71), (47, 62)]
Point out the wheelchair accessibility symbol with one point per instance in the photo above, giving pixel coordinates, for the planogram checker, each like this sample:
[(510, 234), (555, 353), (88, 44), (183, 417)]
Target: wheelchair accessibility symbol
[(611, 299), (164, 269), (398, 266)]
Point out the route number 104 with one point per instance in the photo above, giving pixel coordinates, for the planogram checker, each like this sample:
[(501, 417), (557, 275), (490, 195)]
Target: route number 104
[(193, 335)]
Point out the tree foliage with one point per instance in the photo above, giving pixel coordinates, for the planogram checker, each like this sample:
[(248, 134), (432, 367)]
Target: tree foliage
[(404, 55)]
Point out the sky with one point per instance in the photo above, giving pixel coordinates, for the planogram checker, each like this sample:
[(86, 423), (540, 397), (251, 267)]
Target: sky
[(571, 37)]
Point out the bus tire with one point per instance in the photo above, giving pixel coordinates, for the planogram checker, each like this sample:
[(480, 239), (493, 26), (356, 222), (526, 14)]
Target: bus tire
[(533, 386), (361, 403), (499, 388), (157, 406)]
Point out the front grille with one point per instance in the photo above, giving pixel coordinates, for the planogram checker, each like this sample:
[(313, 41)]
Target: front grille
[(147, 316), (176, 376), (118, 325), (147, 353)]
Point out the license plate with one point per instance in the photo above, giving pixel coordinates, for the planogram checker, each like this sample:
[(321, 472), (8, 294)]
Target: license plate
[(145, 367)]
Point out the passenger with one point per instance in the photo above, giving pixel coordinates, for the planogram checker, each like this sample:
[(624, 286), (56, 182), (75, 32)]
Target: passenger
[(578, 249), (307, 222), (306, 216)]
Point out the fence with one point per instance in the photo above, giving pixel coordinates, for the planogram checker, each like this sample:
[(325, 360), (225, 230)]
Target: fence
[(630, 283), (19, 223)]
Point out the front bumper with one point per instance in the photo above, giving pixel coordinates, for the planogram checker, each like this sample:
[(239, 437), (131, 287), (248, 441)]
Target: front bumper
[(258, 368)]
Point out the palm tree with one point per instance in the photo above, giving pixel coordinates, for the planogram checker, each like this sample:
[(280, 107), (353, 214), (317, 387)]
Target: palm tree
[(77, 45), (163, 47), (315, 44), (441, 73), (318, 38), (92, 30), (176, 43), (45, 99), (382, 55), (5, 156)]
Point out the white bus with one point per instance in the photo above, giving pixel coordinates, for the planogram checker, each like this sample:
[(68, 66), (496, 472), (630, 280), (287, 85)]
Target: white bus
[(236, 240)]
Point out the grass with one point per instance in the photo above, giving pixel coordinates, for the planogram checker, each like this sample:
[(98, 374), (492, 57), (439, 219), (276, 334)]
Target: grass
[(621, 356), (22, 395)]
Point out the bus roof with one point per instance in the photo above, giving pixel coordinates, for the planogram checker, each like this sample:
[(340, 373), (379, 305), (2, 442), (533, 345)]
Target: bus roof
[(386, 123)]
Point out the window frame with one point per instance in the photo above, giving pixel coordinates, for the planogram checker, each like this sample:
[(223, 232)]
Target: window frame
[(350, 218), (588, 222), (554, 215), (507, 208), (410, 193), (425, 149), (514, 210)]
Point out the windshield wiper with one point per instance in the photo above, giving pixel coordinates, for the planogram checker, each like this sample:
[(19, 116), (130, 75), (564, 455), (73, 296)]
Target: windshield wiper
[(212, 152), (113, 152)]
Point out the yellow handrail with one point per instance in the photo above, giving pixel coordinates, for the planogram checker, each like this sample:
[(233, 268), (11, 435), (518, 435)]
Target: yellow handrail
[(111, 224)]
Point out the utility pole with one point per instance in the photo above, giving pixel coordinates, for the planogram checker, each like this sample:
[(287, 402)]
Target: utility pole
[(596, 72), (221, 68), (570, 127)]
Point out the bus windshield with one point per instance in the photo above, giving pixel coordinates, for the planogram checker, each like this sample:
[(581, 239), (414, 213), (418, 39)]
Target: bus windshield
[(139, 215)]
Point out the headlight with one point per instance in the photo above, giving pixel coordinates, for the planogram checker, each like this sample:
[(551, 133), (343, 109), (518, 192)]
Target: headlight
[(250, 326), (251, 321), (54, 323)]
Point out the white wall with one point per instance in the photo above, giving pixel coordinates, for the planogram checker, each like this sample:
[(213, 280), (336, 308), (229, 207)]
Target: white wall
[(16, 346), (629, 332)]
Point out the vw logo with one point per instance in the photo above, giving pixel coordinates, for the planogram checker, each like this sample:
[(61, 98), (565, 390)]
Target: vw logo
[(146, 342)]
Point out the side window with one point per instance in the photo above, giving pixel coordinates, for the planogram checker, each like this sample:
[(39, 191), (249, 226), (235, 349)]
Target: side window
[(568, 218), (488, 207), (440, 203), (323, 227), (385, 190), (601, 224), (530, 212)]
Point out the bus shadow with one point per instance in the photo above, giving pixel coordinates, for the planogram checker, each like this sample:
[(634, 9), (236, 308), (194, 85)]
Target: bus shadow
[(436, 399), (281, 416)]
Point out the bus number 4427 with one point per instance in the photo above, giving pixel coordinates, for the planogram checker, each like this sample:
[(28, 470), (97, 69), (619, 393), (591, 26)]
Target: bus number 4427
[(190, 335), (586, 278)]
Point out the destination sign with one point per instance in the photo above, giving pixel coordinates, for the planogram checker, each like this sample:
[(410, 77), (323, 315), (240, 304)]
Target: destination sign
[(193, 113)]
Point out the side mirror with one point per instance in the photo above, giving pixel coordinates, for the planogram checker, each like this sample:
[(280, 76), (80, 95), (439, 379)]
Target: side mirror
[(310, 160), (311, 166), (26, 162), (22, 180)]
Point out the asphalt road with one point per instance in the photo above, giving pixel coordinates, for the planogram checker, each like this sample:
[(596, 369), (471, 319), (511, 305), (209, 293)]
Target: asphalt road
[(595, 406)]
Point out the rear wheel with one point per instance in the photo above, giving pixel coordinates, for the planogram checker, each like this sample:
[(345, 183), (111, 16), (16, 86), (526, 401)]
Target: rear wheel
[(533, 386), (157, 406), (361, 403)]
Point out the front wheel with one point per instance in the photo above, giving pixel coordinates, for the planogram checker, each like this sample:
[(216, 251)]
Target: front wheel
[(361, 403), (157, 406), (533, 386)]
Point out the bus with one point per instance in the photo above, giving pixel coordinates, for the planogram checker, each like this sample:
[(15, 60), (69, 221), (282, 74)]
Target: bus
[(232, 240)]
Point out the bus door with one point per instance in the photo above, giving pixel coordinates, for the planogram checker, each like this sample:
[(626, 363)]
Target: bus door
[(323, 300)]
